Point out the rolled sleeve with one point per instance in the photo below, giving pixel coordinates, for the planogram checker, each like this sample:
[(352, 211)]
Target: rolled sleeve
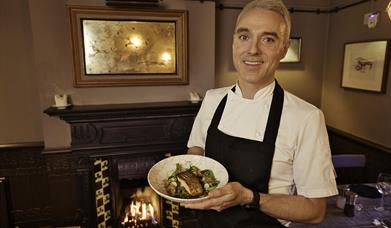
[(312, 167)]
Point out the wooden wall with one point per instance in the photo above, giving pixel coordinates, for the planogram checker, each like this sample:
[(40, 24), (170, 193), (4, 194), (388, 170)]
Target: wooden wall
[(45, 187), (24, 167), (378, 157)]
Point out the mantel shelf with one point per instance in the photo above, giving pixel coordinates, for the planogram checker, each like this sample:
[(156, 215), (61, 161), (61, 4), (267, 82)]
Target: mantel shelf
[(129, 125), (88, 113)]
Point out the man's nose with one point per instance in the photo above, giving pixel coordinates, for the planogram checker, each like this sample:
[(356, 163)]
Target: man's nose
[(254, 47)]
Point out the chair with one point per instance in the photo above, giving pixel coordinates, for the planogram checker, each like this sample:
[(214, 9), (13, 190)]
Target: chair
[(349, 160), (350, 168)]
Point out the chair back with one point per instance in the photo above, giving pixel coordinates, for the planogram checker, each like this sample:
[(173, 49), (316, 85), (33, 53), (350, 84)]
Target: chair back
[(349, 160), (350, 168)]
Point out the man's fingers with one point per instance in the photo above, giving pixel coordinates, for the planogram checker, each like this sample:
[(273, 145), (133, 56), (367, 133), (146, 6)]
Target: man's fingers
[(216, 192), (203, 204), (220, 192), (219, 203), (200, 205), (218, 199)]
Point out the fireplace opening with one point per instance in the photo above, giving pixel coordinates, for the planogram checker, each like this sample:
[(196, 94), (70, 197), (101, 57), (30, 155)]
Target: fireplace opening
[(123, 197), (140, 205)]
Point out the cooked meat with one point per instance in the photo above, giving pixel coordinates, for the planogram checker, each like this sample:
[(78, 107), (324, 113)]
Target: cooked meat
[(191, 183)]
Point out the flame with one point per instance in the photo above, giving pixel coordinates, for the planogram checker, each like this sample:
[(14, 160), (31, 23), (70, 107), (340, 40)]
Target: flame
[(144, 211), (151, 210), (139, 211)]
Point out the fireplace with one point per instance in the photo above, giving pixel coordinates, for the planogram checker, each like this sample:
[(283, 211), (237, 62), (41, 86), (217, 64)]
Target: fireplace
[(121, 192), (124, 199), (120, 144)]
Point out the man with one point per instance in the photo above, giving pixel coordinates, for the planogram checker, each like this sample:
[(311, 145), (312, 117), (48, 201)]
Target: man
[(273, 144)]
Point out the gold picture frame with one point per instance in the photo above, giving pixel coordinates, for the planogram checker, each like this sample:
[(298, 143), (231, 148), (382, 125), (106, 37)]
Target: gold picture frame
[(128, 47)]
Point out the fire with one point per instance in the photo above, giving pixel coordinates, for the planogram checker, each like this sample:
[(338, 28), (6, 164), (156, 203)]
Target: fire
[(139, 214)]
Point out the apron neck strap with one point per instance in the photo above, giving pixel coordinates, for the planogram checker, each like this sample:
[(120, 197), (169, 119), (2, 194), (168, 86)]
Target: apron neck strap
[(273, 121)]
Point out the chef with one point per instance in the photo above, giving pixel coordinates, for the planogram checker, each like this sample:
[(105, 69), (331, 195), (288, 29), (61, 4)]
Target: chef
[(273, 144)]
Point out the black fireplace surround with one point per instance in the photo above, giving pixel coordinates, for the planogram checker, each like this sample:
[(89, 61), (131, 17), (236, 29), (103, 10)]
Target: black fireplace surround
[(127, 139)]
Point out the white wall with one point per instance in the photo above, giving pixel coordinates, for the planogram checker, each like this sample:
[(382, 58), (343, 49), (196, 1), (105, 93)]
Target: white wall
[(53, 57), (365, 115), (36, 63), (19, 97)]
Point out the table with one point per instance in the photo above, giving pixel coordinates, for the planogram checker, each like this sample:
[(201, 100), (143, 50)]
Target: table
[(335, 217)]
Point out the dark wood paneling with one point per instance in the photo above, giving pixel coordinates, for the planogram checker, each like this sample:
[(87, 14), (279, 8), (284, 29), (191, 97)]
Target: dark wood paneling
[(4, 216), (53, 187), (378, 157), (25, 169), (65, 191)]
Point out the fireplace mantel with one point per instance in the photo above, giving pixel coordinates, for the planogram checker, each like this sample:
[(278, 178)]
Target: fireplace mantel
[(92, 113), (123, 125)]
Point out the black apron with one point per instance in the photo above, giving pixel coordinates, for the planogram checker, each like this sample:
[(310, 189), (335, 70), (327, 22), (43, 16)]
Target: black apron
[(248, 162)]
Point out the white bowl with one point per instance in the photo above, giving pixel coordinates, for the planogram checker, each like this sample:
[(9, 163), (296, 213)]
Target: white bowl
[(164, 168)]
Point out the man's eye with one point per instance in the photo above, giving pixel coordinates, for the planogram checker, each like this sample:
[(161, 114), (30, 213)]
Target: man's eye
[(243, 37), (268, 40)]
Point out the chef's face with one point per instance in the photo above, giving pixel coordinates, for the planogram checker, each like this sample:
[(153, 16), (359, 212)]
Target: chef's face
[(259, 44)]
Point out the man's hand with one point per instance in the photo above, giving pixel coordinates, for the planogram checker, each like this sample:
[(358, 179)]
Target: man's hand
[(288, 207), (230, 195)]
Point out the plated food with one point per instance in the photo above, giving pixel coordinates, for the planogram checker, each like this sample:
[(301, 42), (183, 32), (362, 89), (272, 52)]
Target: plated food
[(189, 181), (186, 178)]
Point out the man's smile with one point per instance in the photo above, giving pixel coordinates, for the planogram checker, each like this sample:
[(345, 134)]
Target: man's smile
[(253, 62)]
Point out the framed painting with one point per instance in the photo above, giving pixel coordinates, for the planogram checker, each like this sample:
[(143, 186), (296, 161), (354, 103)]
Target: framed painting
[(365, 65), (128, 47), (294, 51)]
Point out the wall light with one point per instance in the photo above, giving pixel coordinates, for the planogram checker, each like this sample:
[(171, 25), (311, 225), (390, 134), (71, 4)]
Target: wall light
[(166, 57), (389, 9), (136, 41)]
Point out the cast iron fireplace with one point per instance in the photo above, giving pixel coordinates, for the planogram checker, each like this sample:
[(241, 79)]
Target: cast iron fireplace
[(118, 144)]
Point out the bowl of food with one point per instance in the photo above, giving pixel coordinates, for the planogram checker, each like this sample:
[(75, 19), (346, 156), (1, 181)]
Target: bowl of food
[(186, 178)]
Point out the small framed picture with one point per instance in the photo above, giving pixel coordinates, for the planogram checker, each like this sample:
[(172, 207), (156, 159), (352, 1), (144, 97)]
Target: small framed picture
[(365, 65), (293, 54)]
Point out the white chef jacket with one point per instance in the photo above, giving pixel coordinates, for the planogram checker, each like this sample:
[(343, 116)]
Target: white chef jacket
[(302, 158)]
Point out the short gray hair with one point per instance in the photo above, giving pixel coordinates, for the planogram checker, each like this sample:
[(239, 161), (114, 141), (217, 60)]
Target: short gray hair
[(276, 6)]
